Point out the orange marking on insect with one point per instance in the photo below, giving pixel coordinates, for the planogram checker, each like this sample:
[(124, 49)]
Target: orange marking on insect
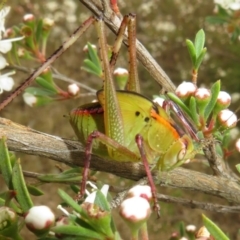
[(165, 123)]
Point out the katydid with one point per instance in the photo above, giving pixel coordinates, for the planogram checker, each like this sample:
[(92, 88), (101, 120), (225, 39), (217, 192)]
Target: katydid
[(124, 125)]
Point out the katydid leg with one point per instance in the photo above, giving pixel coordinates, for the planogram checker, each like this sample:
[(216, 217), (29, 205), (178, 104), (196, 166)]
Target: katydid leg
[(139, 141), (113, 146)]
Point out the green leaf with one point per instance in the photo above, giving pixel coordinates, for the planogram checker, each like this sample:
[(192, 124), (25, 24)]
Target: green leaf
[(19, 185), (94, 57), (69, 200), (46, 84), (193, 110), (216, 19), (38, 33), (101, 201), (192, 51), (39, 91), (199, 42), (62, 177), (214, 230), (5, 163), (90, 67), (200, 58), (34, 191), (77, 231), (182, 229), (215, 89), (179, 102)]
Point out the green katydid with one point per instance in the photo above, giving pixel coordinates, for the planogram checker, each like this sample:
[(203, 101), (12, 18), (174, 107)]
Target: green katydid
[(127, 126)]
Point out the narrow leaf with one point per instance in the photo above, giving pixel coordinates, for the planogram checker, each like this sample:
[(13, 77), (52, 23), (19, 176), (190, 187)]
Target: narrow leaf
[(101, 201), (191, 50), (46, 84), (193, 110), (39, 91), (5, 163), (199, 59), (238, 167), (77, 231), (90, 67), (215, 89), (199, 42), (34, 191), (214, 230), (67, 199), (94, 57), (20, 187)]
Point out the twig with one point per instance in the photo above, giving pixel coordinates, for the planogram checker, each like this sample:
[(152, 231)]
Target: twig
[(161, 197), (24, 139)]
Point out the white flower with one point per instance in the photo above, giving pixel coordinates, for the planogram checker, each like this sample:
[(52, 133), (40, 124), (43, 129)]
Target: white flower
[(6, 82), (191, 228), (203, 232), (228, 4), (29, 99), (6, 44), (120, 71), (91, 197), (3, 13), (39, 218)]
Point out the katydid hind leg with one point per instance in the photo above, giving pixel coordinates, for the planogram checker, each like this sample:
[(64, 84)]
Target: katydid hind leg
[(139, 141)]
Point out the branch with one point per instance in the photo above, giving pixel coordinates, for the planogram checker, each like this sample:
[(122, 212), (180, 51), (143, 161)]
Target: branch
[(27, 140)]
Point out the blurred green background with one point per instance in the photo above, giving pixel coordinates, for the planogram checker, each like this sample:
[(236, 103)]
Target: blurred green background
[(162, 26)]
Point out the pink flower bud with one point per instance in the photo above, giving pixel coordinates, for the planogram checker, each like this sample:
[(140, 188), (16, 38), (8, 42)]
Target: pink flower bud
[(39, 218), (140, 191), (135, 210), (224, 99), (28, 17), (202, 94), (73, 89), (185, 89), (227, 118), (121, 77)]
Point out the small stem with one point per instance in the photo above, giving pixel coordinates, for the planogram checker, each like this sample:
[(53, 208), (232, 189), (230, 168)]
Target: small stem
[(144, 232), (134, 234), (194, 76)]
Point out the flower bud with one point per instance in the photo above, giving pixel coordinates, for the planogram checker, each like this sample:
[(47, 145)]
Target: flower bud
[(140, 191), (48, 23), (227, 118), (85, 48), (39, 219), (191, 228), (223, 101), (135, 211), (159, 101), (121, 77), (202, 233), (28, 17), (29, 99), (73, 89), (185, 90), (202, 96)]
